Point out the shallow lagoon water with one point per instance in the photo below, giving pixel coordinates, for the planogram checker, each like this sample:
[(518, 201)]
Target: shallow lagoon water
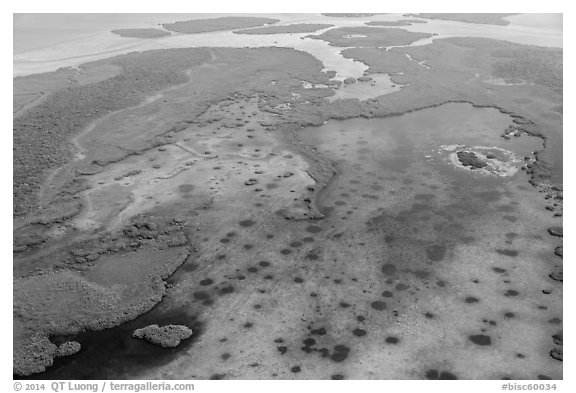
[(378, 86), (406, 239)]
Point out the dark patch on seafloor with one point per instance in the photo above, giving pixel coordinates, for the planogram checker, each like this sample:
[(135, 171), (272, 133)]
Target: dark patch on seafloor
[(115, 354)]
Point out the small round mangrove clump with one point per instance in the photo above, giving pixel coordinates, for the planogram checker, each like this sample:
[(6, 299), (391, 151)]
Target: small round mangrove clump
[(165, 336), (467, 158)]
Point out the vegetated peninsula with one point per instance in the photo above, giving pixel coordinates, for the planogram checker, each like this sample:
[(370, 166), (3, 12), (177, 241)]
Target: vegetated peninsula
[(293, 28), (141, 33), (486, 18), (369, 36), (216, 24)]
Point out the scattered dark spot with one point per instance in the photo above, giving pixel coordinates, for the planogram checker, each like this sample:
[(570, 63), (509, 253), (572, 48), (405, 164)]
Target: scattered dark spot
[(226, 290), (285, 251), (296, 369), (509, 314), (185, 188), (217, 376), (401, 287), (378, 305), (508, 253), (225, 356), (557, 354), (359, 332), (308, 239), (557, 275), (313, 229), (436, 252), (480, 339), (558, 338), (206, 282), (312, 255), (499, 270), (252, 269), (392, 340), (389, 269), (433, 374), (422, 274), (264, 263), (295, 244), (387, 294), (247, 223), (511, 292), (340, 353), (282, 349), (429, 315), (318, 332), (248, 325), (559, 251), (447, 375), (309, 342), (556, 231), (200, 295), (344, 305), (298, 280), (471, 299), (337, 377)]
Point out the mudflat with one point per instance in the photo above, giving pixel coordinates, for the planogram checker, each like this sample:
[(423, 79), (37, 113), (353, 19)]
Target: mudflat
[(287, 29), (483, 18), (141, 33)]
